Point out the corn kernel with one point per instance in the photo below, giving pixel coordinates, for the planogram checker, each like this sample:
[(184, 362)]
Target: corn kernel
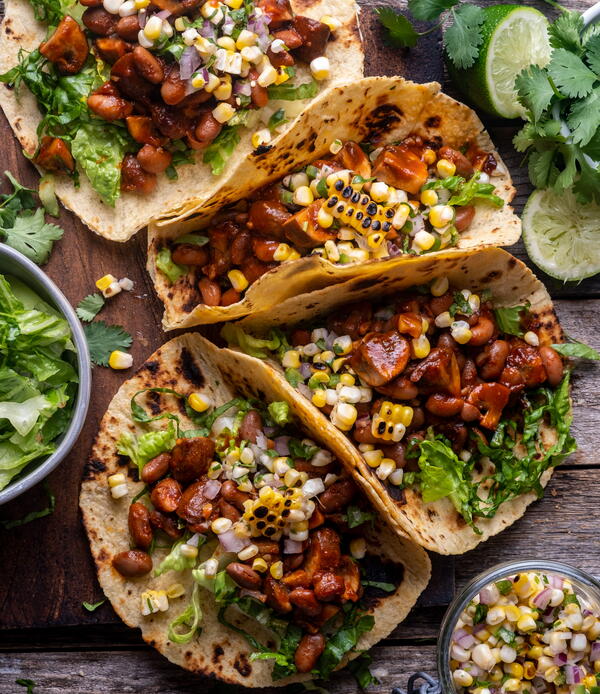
[(461, 332), (120, 360), (380, 191), (462, 678), (199, 402), (320, 68), (259, 564), (429, 198), (358, 547), (221, 525), (446, 168), (512, 613), (535, 652), (514, 669), (291, 359), (396, 477), (332, 22), (526, 623), (439, 286), (246, 39), (226, 42), (223, 112), (252, 54), (324, 219), (303, 196), (440, 215), (319, 398), (373, 458), (282, 76), (116, 479), (238, 280), (294, 255), (153, 28), (141, 4), (589, 681), (347, 379), (188, 551), (385, 469), (332, 250), (344, 415), (424, 240), (261, 137), (512, 685), (198, 81), (399, 219), (234, 4), (223, 91), (282, 252), (551, 673), (421, 347), (175, 590), (104, 282), (429, 156), (531, 338), (267, 76)]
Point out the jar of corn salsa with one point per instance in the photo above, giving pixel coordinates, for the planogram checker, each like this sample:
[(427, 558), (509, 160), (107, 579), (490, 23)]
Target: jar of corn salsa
[(527, 627)]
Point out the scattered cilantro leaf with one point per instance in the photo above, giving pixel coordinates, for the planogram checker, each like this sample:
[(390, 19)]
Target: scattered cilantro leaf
[(509, 319), (89, 307), (592, 54), (506, 635), (355, 516), (32, 236), (400, 31), (30, 684), (584, 118), (103, 339), (504, 586), (277, 119), (460, 304), (463, 37), (577, 349), (534, 90), (480, 613), (428, 10), (570, 74), (32, 515), (91, 606), (294, 92), (565, 32), (542, 168), (386, 587)]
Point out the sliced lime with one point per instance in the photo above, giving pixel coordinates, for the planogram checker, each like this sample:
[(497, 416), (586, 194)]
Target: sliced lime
[(514, 37), (561, 236)]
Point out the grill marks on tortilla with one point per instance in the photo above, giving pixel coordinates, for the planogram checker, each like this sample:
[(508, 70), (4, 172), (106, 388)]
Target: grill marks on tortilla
[(93, 468), (381, 119), (190, 369)]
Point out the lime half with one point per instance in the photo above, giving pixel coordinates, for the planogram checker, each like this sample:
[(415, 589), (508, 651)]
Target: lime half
[(514, 37), (561, 236)]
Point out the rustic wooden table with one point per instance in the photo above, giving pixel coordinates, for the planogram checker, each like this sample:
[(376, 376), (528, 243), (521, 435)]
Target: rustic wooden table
[(45, 569)]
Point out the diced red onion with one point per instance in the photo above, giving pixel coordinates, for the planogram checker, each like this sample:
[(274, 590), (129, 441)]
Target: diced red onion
[(263, 41), (418, 223), (479, 627), (543, 598), (207, 31), (305, 369), (393, 249), (572, 674), (211, 489), (560, 659), (231, 542), (458, 634), (556, 581), (486, 596), (163, 14), (276, 482), (595, 651), (291, 546), (194, 540), (242, 88), (269, 431), (188, 64), (228, 25), (281, 445), (142, 18), (467, 641), (261, 441)]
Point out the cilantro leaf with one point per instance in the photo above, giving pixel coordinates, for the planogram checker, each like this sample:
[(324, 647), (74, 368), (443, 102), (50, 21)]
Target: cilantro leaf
[(380, 585), (294, 92), (91, 606), (587, 186), (567, 176), (570, 74), (463, 38), (103, 339), (89, 307), (32, 236), (30, 684), (565, 32), (584, 118), (355, 516), (542, 168), (400, 31), (221, 148), (504, 586), (480, 613), (428, 10), (578, 350), (509, 319), (592, 54), (277, 119), (592, 148), (32, 515), (534, 90)]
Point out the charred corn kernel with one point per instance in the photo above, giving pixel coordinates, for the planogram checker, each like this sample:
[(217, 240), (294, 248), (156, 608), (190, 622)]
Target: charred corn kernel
[(347, 380), (358, 547), (188, 551), (141, 4), (529, 670), (344, 415), (276, 570), (514, 669), (440, 215), (429, 156), (429, 198), (175, 590), (531, 338), (282, 76), (526, 623), (462, 678), (424, 240), (332, 22), (234, 4), (120, 360), (221, 525), (223, 91), (421, 347), (104, 282), (153, 601), (445, 168), (199, 402), (268, 76), (153, 28), (512, 613), (319, 398), (461, 332), (238, 280), (375, 240), (380, 191), (303, 196), (439, 286), (260, 137), (401, 215), (385, 469), (223, 112), (291, 359), (343, 175), (259, 564), (373, 458), (324, 219), (521, 586), (320, 68), (246, 39)]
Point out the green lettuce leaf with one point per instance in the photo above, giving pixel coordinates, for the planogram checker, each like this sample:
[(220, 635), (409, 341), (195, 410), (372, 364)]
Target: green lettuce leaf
[(190, 617), (293, 92), (280, 412), (175, 560), (147, 446), (253, 346), (172, 271)]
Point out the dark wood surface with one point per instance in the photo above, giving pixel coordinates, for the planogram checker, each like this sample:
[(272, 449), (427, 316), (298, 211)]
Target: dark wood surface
[(45, 568)]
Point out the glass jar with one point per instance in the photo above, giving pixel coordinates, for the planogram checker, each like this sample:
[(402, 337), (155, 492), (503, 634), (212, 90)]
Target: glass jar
[(583, 583)]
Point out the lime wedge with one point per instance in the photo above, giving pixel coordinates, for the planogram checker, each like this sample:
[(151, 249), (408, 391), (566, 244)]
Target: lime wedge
[(561, 236), (514, 37)]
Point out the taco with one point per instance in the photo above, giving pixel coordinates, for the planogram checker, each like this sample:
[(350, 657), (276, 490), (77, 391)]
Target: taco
[(372, 173), (436, 384), (252, 544), (147, 106)]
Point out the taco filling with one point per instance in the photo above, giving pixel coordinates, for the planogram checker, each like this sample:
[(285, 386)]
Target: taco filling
[(443, 392), (267, 523), (130, 89), (361, 203)]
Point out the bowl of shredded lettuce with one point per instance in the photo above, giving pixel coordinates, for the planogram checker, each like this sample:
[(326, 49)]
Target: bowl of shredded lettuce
[(45, 376)]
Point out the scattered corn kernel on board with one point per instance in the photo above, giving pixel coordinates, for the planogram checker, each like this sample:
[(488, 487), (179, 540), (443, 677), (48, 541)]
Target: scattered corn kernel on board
[(46, 571)]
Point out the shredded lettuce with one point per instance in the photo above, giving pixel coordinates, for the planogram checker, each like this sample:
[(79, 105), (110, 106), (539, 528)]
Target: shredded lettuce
[(280, 412), (253, 346), (190, 617), (294, 92), (147, 446), (221, 149), (172, 271), (175, 560)]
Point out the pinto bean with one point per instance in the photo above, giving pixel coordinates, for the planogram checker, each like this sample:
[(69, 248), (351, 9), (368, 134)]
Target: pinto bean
[(132, 563), (258, 94), (309, 651), (91, 3), (305, 600), (210, 291), (142, 129), (464, 217), (362, 431), (267, 547), (156, 468), (134, 179), (191, 457), (230, 297), (109, 107), (264, 249), (491, 361), (110, 49), (67, 48), (127, 78), (251, 426), (469, 413), (439, 304), (337, 496), (277, 595), (194, 507), (229, 511), (281, 59), (464, 167), (553, 364), (253, 269), (207, 128), (147, 65), (233, 495), (442, 405), (482, 331), (328, 586), (165, 523), (127, 28), (244, 576), (99, 21), (401, 388), (173, 89), (189, 254), (154, 159), (139, 525), (396, 452), (166, 495)]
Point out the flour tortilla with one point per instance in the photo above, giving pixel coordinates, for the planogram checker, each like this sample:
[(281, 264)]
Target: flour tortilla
[(191, 364), (195, 184), (436, 526), (389, 108)]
